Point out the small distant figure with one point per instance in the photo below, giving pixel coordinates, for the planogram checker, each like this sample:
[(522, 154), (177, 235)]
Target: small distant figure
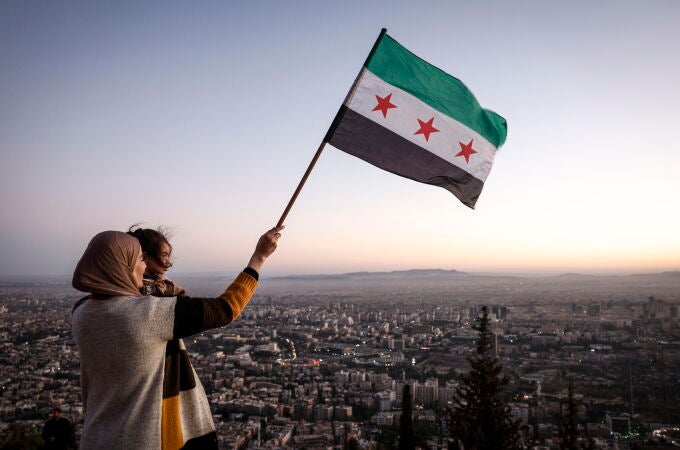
[(57, 432)]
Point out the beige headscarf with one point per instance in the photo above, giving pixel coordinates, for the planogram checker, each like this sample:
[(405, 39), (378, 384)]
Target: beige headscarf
[(106, 266)]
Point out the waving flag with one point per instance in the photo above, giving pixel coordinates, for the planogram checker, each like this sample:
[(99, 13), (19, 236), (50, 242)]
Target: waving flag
[(410, 118)]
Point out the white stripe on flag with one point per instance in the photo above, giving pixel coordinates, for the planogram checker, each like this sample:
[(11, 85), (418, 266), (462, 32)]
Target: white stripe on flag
[(403, 120)]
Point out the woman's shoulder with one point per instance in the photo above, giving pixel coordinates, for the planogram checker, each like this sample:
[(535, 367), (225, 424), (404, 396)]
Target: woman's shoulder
[(127, 309), (160, 286), (125, 303)]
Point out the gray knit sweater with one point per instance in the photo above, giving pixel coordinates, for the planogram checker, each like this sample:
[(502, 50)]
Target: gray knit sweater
[(139, 389)]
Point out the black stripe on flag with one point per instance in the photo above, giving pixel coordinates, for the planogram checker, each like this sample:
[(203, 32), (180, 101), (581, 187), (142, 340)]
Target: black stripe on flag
[(359, 136)]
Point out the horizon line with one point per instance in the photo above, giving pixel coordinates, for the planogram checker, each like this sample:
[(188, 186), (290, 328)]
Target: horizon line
[(284, 274)]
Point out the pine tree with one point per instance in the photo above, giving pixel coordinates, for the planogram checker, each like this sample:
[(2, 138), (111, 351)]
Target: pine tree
[(406, 437), (353, 444), (480, 419), (569, 430)]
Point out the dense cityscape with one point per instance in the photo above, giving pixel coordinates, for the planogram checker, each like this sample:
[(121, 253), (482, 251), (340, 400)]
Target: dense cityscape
[(321, 362)]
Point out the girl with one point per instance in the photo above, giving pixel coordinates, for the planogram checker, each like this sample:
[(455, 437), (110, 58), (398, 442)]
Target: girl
[(156, 250), (139, 388)]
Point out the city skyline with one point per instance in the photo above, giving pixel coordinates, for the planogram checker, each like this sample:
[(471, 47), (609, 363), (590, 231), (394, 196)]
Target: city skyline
[(203, 119), (325, 357)]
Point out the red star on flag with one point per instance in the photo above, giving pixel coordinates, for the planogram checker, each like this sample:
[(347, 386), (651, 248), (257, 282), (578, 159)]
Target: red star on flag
[(384, 104), (466, 150), (426, 128)]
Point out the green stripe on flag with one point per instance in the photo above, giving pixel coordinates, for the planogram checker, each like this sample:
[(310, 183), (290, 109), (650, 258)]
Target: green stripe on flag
[(399, 67)]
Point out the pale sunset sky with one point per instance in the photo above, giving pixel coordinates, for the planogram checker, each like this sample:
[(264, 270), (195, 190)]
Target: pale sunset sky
[(202, 117)]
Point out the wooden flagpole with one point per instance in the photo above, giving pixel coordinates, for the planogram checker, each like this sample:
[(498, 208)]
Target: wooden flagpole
[(302, 183), (334, 124)]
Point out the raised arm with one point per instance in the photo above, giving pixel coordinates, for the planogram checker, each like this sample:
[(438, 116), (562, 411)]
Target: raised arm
[(194, 315)]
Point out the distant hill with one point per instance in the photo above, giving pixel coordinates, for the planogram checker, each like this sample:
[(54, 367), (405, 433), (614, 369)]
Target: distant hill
[(412, 273), (669, 274), (675, 273), (573, 275), (409, 285)]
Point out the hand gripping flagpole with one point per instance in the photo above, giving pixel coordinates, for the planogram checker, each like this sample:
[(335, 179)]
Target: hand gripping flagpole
[(331, 129)]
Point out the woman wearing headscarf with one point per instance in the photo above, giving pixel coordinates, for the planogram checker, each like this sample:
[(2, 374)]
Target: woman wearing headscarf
[(139, 388)]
